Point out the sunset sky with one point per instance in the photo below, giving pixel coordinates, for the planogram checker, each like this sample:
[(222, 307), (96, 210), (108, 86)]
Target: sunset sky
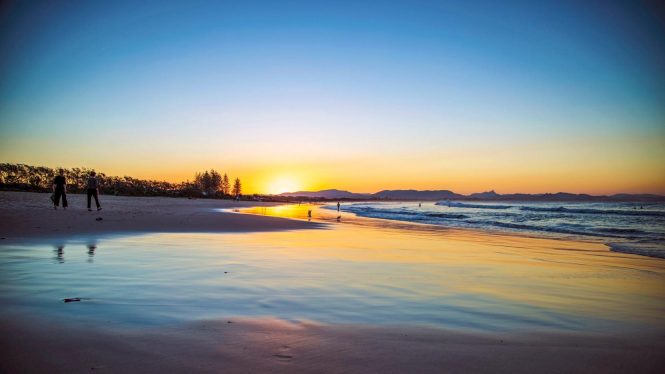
[(517, 96)]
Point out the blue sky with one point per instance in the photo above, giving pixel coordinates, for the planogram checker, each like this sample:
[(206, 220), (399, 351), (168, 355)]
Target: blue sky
[(234, 83)]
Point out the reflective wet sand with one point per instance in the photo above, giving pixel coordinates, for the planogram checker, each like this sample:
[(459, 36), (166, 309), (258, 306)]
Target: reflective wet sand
[(356, 296), (351, 272)]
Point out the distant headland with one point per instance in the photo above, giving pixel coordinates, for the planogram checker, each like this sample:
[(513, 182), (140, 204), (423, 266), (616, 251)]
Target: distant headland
[(433, 195)]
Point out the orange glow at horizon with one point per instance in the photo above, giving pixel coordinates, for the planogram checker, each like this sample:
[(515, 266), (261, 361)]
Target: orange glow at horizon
[(282, 184), (570, 165)]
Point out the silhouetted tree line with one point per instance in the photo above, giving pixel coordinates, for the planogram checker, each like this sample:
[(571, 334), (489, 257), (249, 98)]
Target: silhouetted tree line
[(21, 177), (213, 184)]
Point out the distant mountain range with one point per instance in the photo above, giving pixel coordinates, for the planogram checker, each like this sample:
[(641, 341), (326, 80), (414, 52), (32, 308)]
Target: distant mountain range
[(431, 195), (328, 194)]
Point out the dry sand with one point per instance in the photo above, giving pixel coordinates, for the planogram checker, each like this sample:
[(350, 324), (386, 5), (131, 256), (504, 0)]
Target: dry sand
[(25, 215), (267, 345)]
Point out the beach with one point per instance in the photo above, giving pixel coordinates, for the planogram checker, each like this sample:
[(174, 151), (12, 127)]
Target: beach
[(332, 187), (179, 285), (271, 346), (29, 215)]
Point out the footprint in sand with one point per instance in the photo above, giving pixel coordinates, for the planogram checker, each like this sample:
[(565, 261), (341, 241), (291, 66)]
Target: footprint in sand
[(284, 353)]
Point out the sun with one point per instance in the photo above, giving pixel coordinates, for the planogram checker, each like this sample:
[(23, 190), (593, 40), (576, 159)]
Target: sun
[(283, 184)]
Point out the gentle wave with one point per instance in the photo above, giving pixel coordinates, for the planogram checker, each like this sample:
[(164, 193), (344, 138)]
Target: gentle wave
[(457, 204), (386, 213), (615, 230), (580, 230), (649, 249), (561, 209), (436, 218)]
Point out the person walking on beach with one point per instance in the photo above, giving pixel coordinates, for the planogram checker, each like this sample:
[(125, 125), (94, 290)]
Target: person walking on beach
[(93, 190), (60, 190), (338, 206)]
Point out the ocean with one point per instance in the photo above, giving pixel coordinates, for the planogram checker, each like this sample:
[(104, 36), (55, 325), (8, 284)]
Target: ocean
[(629, 227)]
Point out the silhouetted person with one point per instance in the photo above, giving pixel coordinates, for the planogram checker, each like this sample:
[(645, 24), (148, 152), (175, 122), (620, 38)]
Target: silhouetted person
[(60, 190), (309, 214), (338, 206), (93, 190)]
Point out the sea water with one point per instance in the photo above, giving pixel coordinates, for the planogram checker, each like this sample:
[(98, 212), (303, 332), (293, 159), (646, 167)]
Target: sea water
[(637, 228)]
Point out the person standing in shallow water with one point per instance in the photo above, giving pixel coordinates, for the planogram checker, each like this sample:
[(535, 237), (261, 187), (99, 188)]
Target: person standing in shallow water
[(93, 190), (60, 190)]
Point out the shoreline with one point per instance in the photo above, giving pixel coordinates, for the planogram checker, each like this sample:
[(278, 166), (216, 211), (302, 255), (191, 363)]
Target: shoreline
[(26, 216), (618, 246)]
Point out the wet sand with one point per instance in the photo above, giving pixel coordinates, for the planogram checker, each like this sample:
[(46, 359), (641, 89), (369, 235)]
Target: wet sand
[(272, 346), (26, 216)]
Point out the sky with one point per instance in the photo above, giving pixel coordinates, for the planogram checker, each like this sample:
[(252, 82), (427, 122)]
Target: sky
[(515, 96)]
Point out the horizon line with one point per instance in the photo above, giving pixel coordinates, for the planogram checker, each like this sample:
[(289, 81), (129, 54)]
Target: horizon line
[(473, 193)]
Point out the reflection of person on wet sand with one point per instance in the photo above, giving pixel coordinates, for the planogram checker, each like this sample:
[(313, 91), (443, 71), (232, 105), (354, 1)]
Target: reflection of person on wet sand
[(91, 251), (60, 253)]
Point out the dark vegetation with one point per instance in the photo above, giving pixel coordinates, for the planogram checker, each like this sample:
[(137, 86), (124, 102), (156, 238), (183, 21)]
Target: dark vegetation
[(21, 177), (212, 184)]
